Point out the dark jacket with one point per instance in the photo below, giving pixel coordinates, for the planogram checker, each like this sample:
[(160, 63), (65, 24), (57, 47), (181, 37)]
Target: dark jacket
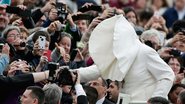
[(8, 85)]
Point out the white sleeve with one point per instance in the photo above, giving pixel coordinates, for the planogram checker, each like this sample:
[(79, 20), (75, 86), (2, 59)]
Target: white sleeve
[(79, 90), (161, 72), (89, 73), (162, 89)]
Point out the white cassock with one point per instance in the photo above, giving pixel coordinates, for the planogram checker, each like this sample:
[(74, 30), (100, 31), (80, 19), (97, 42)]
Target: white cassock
[(118, 54)]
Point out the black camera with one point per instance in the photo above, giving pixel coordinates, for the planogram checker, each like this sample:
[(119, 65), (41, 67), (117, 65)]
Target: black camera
[(62, 11), (18, 11), (91, 7), (52, 66), (175, 52), (64, 77)]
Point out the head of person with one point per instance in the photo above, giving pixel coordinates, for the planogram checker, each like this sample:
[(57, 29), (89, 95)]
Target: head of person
[(33, 95), (100, 85), (159, 3), (13, 35), (82, 25), (64, 41), (145, 16), (174, 92), (179, 27), (179, 4), (175, 63), (152, 38), (53, 14), (158, 100), (178, 42), (4, 20), (131, 15), (113, 91), (53, 94), (181, 97), (37, 50), (92, 94)]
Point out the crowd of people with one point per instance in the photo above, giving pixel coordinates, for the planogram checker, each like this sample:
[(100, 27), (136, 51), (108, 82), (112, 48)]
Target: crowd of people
[(90, 51)]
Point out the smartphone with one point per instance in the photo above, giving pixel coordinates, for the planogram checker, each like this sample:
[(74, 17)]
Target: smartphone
[(92, 7), (18, 11), (42, 42), (82, 17), (1, 47), (73, 54)]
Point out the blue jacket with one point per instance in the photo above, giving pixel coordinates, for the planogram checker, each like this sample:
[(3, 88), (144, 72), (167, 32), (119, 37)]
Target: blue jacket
[(171, 16)]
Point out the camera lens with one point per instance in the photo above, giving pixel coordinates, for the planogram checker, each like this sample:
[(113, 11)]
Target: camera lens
[(22, 44)]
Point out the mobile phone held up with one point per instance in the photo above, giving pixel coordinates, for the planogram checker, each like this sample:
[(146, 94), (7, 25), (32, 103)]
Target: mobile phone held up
[(73, 54), (42, 42)]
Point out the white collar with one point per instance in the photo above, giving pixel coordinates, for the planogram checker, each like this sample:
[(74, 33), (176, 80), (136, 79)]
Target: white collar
[(100, 101)]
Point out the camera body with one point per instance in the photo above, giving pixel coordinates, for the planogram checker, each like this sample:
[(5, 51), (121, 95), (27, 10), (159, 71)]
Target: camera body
[(62, 11), (52, 66), (175, 52)]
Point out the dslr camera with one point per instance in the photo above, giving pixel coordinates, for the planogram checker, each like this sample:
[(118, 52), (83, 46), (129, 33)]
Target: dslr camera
[(62, 11), (52, 66), (175, 52)]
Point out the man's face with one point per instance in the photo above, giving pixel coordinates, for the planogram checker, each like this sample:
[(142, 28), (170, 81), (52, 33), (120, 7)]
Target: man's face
[(26, 98), (113, 91), (98, 85)]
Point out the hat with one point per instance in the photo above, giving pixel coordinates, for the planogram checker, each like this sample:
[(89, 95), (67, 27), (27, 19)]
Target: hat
[(113, 46)]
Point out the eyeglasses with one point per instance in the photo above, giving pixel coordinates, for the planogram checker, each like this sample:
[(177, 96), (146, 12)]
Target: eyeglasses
[(14, 36)]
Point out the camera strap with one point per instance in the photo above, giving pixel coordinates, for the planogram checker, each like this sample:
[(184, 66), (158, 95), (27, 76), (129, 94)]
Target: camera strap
[(74, 83)]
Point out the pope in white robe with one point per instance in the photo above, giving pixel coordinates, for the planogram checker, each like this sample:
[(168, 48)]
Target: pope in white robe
[(119, 55)]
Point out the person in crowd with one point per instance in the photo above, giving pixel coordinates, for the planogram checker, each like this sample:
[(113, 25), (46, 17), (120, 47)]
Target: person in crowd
[(158, 100), (178, 13), (152, 38), (33, 95), (61, 53), (4, 20), (131, 15), (53, 94), (92, 94), (178, 42), (137, 56), (16, 83), (101, 86), (12, 36), (181, 97), (82, 25), (4, 58), (144, 16), (37, 57), (176, 63), (174, 92), (113, 91), (159, 6), (52, 16)]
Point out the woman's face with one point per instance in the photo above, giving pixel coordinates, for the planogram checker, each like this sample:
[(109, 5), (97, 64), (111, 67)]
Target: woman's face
[(131, 17), (65, 42), (53, 14), (175, 65)]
